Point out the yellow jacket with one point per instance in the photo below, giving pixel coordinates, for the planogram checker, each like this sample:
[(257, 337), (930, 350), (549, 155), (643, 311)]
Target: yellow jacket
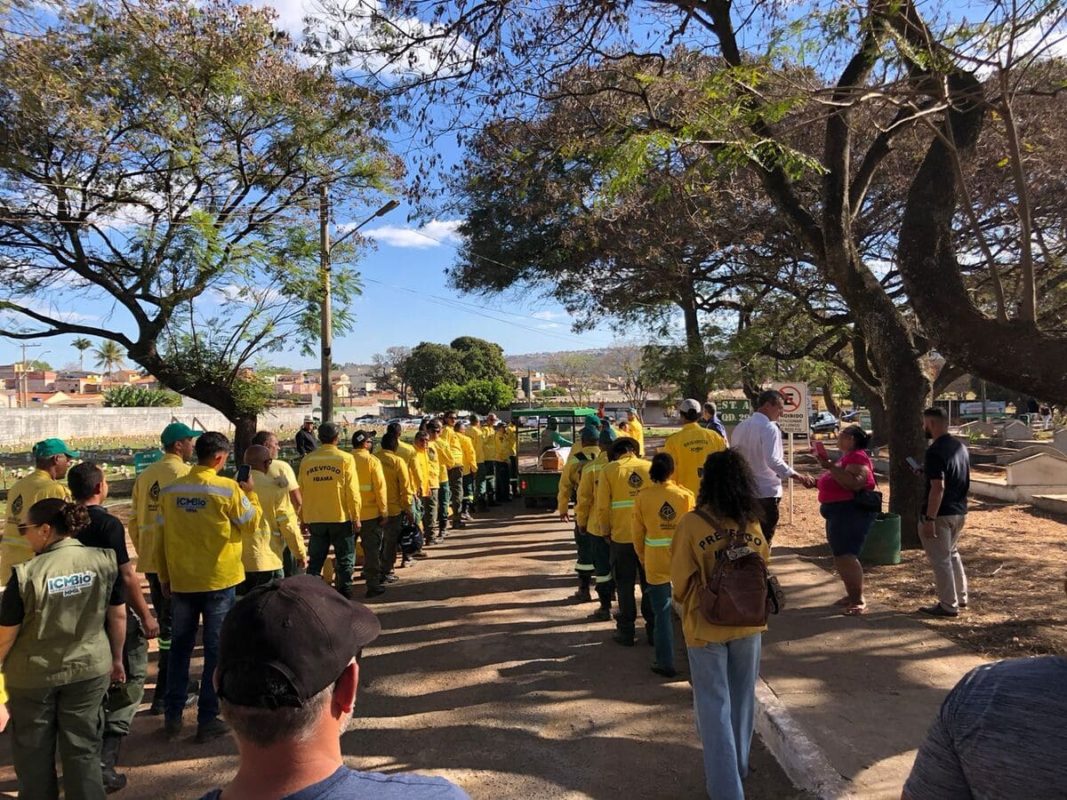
[(433, 461), (470, 458), (657, 511), (583, 509), (690, 448), (694, 549), (145, 514), (329, 486), (373, 500), (38, 485), (398, 484), (637, 431), (420, 475), (278, 527), (572, 474), (478, 440), (620, 481), (511, 436), (205, 519), (490, 444), (452, 439)]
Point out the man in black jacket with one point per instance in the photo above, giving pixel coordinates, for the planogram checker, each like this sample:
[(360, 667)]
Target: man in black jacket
[(305, 439)]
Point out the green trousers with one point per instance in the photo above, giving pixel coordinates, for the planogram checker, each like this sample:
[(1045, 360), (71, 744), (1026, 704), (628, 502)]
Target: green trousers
[(429, 515), (69, 718), (390, 543), (371, 535), (122, 700), (340, 535)]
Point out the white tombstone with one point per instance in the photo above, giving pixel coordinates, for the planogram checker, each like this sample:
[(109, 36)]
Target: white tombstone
[(1016, 430), (1040, 470), (1059, 440)]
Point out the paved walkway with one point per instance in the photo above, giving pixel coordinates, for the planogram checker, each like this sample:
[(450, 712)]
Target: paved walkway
[(864, 690), (486, 673)]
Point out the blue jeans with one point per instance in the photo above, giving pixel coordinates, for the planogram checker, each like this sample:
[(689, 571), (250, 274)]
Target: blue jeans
[(659, 596), (186, 610), (724, 692)]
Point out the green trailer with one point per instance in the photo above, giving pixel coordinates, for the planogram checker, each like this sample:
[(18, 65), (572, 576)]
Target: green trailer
[(539, 487)]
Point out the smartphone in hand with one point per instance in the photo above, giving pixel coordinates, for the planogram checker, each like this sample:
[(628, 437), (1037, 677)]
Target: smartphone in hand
[(916, 467), (820, 450), (244, 473)]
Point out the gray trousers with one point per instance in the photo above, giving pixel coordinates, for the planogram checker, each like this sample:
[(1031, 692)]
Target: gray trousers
[(943, 553)]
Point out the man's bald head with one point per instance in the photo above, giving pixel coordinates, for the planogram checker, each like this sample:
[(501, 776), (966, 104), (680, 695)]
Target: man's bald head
[(257, 457)]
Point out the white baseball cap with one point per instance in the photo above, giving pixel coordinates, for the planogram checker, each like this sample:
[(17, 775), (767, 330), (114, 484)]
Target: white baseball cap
[(690, 405)]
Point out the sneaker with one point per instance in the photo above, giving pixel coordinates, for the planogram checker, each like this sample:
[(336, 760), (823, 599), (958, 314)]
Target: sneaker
[(375, 591), (666, 673), (963, 604), (601, 614), (625, 639), (391, 578), (212, 729), (420, 555), (172, 728), (156, 709), (938, 610)]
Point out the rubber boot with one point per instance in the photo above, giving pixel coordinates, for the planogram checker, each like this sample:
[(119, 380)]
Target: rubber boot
[(584, 593), (109, 758)]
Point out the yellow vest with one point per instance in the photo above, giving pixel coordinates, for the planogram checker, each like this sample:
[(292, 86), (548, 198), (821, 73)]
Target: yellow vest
[(420, 476), (262, 549), (398, 485), (583, 509), (372, 494), (453, 439), (690, 448), (620, 482), (637, 431), (38, 485), (145, 513), (490, 444), (658, 509), (434, 466), (572, 473), (329, 486), (478, 440), (470, 458), (205, 520)]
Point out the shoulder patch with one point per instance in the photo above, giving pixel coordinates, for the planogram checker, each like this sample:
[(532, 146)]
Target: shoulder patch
[(16, 505), (667, 512), (635, 480), (154, 491)]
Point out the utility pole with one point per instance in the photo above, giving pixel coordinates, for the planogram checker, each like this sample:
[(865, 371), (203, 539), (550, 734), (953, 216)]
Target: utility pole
[(326, 312), (24, 378)]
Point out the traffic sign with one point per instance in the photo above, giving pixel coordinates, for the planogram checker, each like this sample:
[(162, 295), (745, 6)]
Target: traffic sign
[(795, 417), (731, 412)]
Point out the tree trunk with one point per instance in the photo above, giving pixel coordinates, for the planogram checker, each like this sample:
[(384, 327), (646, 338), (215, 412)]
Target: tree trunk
[(879, 419), (244, 428), (828, 398), (904, 404), (696, 368)]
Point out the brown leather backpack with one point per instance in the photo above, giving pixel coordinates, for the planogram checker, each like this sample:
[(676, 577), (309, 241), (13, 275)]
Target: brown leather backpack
[(737, 593)]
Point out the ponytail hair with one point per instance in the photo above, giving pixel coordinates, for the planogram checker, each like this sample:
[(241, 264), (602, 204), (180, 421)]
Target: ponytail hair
[(66, 519), (662, 467)]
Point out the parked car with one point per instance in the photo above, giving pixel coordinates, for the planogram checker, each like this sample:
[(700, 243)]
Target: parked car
[(824, 422)]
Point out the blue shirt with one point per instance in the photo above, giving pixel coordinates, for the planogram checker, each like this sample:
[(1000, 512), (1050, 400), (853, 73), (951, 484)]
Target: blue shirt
[(350, 784)]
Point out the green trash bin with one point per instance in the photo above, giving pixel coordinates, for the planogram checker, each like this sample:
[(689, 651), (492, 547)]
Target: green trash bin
[(882, 545)]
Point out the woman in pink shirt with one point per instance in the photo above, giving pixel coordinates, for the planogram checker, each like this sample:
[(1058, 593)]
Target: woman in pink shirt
[(847, 525)]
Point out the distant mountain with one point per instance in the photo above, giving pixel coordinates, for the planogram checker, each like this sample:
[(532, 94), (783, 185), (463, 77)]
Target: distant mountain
[(539, 362)]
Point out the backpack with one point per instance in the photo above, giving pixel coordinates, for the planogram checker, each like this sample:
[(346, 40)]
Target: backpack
[(738, 592)]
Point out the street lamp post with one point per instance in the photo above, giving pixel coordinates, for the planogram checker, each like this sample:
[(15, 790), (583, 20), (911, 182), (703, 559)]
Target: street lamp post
[(326, 312)]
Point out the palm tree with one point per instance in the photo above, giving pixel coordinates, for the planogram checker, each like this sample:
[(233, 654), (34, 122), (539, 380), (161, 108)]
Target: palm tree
[(109, 356), (81, 344)]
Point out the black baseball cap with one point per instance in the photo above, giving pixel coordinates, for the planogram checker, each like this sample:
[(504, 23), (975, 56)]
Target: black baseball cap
[(285, 642), (359, 437)]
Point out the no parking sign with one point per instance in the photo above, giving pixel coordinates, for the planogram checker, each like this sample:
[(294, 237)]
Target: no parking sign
[(794, 419)]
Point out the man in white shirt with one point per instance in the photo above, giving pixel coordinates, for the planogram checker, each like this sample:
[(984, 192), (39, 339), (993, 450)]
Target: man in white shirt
[(759, 440)]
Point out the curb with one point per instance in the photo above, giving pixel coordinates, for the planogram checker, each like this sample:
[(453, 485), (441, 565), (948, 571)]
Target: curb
[(800, 758)]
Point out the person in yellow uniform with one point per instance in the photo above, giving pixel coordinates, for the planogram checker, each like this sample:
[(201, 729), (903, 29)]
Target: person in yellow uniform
[(599, 546), (470, 471), (143, 527), (441, 455), (503, 464), (331, 510), (400, 496), (569, 480), (636, 428), (691, 446), (492, 460), (281, 472), (279, 530), (205, 519), (427, 479), (374, 509), (451, 441), (52, 459), (513, 458), (657, 510), (477, 437), (620, 482)]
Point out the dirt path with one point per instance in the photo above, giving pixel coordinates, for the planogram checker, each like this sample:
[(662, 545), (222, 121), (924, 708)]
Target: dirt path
[(486, 674)]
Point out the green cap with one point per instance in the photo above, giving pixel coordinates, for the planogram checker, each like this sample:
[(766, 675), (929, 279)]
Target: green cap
[(177, 431), (53, 447)]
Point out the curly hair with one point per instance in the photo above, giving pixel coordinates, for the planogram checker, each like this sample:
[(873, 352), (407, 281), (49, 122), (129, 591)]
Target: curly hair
[(66, 519), (726, 488)]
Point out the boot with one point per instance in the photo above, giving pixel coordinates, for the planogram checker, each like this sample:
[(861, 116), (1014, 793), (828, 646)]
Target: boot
[(161, 686), (583, 595), (109, 757)]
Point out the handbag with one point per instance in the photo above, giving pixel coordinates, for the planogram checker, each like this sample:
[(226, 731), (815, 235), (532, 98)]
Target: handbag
[(738, 592), (868, 500)]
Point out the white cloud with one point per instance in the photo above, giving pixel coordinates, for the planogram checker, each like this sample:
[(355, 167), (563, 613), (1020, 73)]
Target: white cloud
[(433, 234), (549, 315), (291, 13)]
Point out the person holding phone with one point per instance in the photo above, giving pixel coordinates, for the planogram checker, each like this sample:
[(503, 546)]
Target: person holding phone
[(205, 520), (847, 525)]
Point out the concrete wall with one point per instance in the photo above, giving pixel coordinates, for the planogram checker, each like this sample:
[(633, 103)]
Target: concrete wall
[(24, 426)]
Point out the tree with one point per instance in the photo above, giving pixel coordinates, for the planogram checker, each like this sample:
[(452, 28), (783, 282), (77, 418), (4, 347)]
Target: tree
[(482, 360), (482, 396), (109, 357), (390, 371), (165, 157), (575, 372), (430, 365), (628, 364), (443, 397), (81, 344)]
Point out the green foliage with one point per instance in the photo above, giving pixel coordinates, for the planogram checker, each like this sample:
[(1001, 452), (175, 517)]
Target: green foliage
[(430, 365), (483, 396), (140, 397), (550, 392), (443, 397), (110, 356), (481, 360)]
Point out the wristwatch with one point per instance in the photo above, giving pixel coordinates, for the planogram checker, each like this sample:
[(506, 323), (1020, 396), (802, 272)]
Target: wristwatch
[(926, 518)]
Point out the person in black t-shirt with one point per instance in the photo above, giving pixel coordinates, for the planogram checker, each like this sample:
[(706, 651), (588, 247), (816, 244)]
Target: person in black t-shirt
[(948, 479), (88, 487)]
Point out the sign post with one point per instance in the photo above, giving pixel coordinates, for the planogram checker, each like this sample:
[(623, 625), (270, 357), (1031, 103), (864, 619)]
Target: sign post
[(794, 420)]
